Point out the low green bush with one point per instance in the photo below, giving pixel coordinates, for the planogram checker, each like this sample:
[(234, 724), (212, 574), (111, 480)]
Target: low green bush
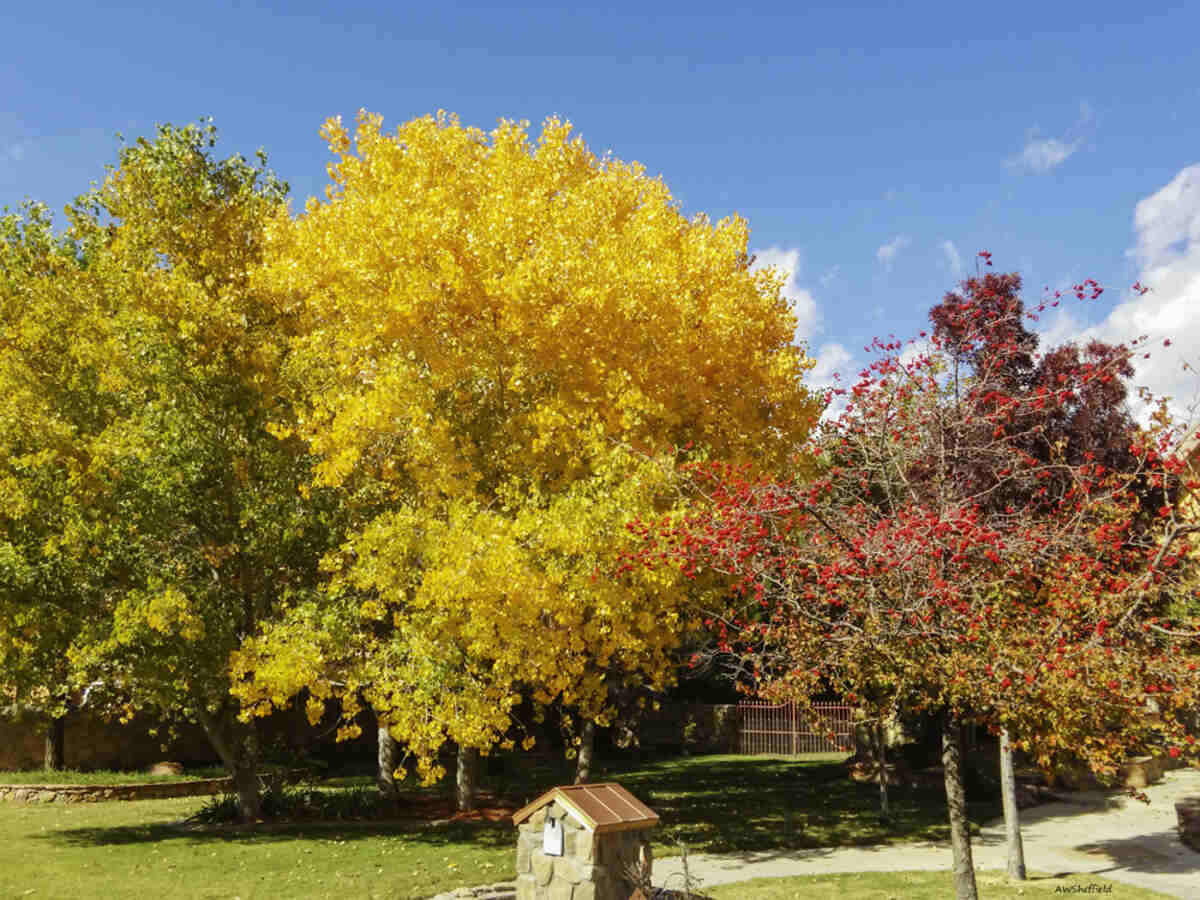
[(300, 803)]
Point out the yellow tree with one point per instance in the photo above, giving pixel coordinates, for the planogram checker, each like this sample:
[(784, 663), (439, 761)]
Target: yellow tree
[(50, 408), (512, 340), (203, 533)]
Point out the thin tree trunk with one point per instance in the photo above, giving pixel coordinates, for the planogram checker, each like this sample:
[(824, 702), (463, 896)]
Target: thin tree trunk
[(587, 750), (237, 745), (956, 801), (54, 759), (466, 785), (385, 777), (1012, 818), (881, 757)]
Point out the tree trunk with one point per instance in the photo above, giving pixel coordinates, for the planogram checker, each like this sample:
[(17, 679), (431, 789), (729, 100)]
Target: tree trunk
[(54, 759), (587, 749), (237, 745), (881, 759), (1012, 819), (386, 774), (249, 791), (956, 801), (466, 784)]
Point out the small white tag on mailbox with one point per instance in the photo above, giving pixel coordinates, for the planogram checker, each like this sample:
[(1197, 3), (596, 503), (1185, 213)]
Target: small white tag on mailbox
[(552, 837)]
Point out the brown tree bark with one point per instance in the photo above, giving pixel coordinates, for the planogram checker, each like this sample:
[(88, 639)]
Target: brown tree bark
[(956, 801), (466, 784), (236, 744), (385, 778), (249, 791), (587, 750), (881, 760), (1012, 819), (54, 758)]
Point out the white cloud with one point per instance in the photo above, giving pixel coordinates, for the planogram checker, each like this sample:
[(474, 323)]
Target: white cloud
[(790, 263), (1168, 221), (913, 350), (831, 360), (808, 316), (830, 276), (887, 253), (786, 259), (1041, 154), (954, 260), (1058, 328), (833, 369), (1167, 251)]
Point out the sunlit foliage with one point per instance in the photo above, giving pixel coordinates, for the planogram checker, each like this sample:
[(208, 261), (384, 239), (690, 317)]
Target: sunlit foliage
[(511, 342)]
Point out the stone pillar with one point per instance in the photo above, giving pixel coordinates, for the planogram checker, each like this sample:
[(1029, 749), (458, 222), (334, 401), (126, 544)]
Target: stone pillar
[(579, 874)]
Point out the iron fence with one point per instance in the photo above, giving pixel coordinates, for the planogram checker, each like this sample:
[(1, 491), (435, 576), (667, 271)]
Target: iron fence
[(784, 729)]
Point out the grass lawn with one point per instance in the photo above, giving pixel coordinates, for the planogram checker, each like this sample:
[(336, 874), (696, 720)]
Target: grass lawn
[(114, 850), (725, 804), (105, 777), (712, 803), (921, 886)]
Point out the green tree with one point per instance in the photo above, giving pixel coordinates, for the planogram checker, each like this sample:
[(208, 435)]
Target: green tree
[(206, 532), (51, 407)]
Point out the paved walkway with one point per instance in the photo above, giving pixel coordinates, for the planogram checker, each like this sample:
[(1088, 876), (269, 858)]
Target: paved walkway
[(1107, 834)]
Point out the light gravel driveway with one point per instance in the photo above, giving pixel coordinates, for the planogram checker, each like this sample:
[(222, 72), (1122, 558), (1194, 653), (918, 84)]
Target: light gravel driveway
[(1105, 833)]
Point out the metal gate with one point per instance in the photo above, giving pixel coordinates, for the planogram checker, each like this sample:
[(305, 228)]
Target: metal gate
[(783, 729)]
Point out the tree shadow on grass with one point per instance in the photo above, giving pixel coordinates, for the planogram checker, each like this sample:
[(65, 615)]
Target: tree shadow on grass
[(477, 835), (721, 804), (747, 804)]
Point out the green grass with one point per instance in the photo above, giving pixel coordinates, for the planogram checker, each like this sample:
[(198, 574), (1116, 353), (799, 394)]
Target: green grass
[(919, 886), (726, 804), (113, 850), (104, 776), (714, 804)]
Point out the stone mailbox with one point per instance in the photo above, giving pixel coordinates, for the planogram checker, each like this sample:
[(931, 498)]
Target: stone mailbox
[(582, 842)]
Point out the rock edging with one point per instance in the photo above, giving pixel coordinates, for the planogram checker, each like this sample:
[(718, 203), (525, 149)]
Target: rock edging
[(506, 890), (99, 793)]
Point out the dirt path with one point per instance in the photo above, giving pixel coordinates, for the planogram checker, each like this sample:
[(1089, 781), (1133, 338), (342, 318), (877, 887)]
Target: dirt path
[(1107, 834)]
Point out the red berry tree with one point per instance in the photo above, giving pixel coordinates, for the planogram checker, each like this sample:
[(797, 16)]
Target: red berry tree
[(990, 538)]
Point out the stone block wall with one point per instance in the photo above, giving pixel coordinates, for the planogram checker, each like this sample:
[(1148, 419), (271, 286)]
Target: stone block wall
[(96, 743), (93, 742), (592, 867), (22, 745)]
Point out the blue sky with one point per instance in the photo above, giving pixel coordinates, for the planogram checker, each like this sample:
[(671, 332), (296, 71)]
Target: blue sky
[(873, 148)]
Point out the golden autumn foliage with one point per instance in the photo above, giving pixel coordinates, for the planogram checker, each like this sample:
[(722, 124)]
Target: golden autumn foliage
[(49, 409), (511, 340), (152, 520)]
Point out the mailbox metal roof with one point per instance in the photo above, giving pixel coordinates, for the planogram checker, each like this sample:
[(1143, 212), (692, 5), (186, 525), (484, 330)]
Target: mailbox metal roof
[(600, 807)]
